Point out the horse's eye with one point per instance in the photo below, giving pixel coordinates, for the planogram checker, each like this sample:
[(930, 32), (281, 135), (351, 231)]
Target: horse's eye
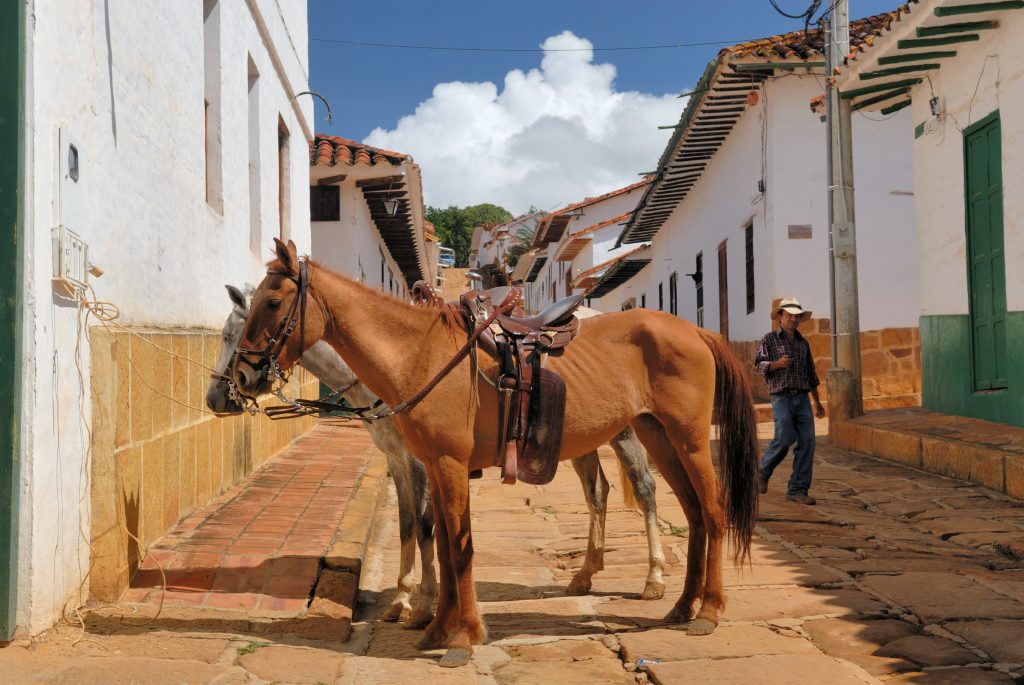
[(273, 305)]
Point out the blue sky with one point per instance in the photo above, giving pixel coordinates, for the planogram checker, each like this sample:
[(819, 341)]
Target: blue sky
[(457, 131)]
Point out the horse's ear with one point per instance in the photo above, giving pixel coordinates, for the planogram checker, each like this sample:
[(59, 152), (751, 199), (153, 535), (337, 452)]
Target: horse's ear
[(287, 255), (236, 296)]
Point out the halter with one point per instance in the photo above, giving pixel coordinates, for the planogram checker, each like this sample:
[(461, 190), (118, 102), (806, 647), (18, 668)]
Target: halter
[(267, 367)]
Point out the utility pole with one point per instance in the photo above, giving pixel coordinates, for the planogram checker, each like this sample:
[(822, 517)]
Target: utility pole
[(845, 394)]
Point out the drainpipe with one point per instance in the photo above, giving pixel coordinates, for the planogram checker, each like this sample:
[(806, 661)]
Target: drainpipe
[(12, 197)]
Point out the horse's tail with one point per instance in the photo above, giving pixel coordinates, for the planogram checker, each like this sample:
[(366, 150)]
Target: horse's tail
[(737, 442), (628, 494)]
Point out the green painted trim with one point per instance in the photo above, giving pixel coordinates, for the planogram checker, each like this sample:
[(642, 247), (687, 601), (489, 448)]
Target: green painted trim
[(914, 57), (861, 104), (12, 174), (907, 43), (895, 107), (910, 68), (980, 7), (919, 130), (946, 371), (878, 87), (928, 31)]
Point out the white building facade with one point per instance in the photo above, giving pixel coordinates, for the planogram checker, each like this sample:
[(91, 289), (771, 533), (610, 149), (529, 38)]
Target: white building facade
[(170, 139), (737, 217), (368, 216), (959, 85)]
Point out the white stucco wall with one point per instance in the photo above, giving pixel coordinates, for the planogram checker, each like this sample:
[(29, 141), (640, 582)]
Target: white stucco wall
[(125, 82), (984, 77), (726, 199), (353, 246)]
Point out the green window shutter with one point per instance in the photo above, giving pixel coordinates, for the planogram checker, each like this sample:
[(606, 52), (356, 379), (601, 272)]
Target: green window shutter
[(986, 263)]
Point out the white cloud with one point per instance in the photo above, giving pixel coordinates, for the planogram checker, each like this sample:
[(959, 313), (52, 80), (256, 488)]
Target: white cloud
[(550, 137)]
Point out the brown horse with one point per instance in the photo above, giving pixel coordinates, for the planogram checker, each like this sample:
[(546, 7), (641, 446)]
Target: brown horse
[(670, 377)]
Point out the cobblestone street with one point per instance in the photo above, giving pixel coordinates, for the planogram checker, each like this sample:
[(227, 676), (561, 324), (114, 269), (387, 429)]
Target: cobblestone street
[(893, 576)]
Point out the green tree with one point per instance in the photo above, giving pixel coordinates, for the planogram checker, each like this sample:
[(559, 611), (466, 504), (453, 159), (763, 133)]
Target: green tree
[(455, 225), (522, 243)]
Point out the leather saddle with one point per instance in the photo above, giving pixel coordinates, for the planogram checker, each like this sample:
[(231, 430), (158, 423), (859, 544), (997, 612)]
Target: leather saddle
[(531, 399)]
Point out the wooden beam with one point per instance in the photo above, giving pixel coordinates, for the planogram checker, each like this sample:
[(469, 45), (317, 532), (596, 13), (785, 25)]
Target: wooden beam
[(964, 27), (772, 66), (896, 107), (384, 180), (331, 180), (915, 56), (935, 42), (894, 71), (877, 88), (954, 10), (861, 104)]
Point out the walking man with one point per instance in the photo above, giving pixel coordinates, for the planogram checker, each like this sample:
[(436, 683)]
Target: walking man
[(784, 359)]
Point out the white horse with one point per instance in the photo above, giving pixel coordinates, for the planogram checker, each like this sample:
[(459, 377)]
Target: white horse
[(414, 510)]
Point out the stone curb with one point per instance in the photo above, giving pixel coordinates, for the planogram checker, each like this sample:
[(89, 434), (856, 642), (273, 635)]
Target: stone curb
[(986, 466), (350, 542)]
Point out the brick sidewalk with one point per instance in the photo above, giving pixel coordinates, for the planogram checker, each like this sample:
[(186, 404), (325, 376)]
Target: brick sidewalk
[(258, 546)]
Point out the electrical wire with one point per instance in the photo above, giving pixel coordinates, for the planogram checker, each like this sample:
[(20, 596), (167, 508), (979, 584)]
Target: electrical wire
[(451, 48)]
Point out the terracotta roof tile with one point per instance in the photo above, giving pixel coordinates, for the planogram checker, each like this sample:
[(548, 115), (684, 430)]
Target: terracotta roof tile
[(801, 45), (334, 151)]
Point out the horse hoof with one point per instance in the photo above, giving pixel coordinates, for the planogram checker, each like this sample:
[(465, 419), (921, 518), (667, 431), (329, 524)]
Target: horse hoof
[(578, 586), (455, 657), (418, 619), (393, 613), (701, 626), (653, 591)]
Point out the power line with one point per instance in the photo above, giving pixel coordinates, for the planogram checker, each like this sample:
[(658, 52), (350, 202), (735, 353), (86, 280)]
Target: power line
[(449, 48)]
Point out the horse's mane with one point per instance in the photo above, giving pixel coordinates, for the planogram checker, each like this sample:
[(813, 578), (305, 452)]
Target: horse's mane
[(449, 314)]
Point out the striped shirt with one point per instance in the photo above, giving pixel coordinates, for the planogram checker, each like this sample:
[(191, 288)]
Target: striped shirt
[(799, 376)]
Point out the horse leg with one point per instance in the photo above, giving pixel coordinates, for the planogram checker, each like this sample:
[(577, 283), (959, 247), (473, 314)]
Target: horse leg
[(400, 473), (595, 489), (423, 602), (660, 449), (457, 625), (693, 448), (633, 463)]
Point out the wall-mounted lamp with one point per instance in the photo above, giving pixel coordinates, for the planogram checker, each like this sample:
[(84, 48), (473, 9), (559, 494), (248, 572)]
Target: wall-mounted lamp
[(330, 116), (390, 203), (697, 277)]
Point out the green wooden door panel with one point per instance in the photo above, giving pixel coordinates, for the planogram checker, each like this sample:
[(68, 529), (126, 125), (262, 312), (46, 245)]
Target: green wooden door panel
[(986, 263)]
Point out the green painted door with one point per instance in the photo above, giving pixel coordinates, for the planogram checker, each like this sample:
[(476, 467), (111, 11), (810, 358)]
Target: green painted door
[(12, 21), (986, 264)]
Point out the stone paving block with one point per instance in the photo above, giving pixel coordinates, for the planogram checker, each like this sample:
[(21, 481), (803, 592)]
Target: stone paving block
[(1002, 640), (560, 650), (761, 604), (359, 670), (587, 672), (278, 663), (987, 468), (728, 641), (925, 650), (937, 597), (953, 676), (792, 669), (808, 574)]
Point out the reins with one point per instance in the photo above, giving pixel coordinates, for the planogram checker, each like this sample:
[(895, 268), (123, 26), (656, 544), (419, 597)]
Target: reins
[(298, 407)]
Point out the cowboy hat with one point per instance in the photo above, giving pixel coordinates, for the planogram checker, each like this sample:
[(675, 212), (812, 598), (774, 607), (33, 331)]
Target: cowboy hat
[(791, 305)]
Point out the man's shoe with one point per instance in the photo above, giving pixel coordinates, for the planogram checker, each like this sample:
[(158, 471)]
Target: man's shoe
[(801, 499), (762, 484)]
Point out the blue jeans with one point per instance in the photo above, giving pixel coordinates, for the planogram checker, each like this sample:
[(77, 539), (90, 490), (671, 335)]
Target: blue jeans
[(794, 423)]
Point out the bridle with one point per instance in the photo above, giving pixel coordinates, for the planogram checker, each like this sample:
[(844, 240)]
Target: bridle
[(267, 367)]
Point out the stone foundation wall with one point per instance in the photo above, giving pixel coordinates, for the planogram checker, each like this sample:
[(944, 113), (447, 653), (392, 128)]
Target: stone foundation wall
[(155, 461), (890, 363)]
